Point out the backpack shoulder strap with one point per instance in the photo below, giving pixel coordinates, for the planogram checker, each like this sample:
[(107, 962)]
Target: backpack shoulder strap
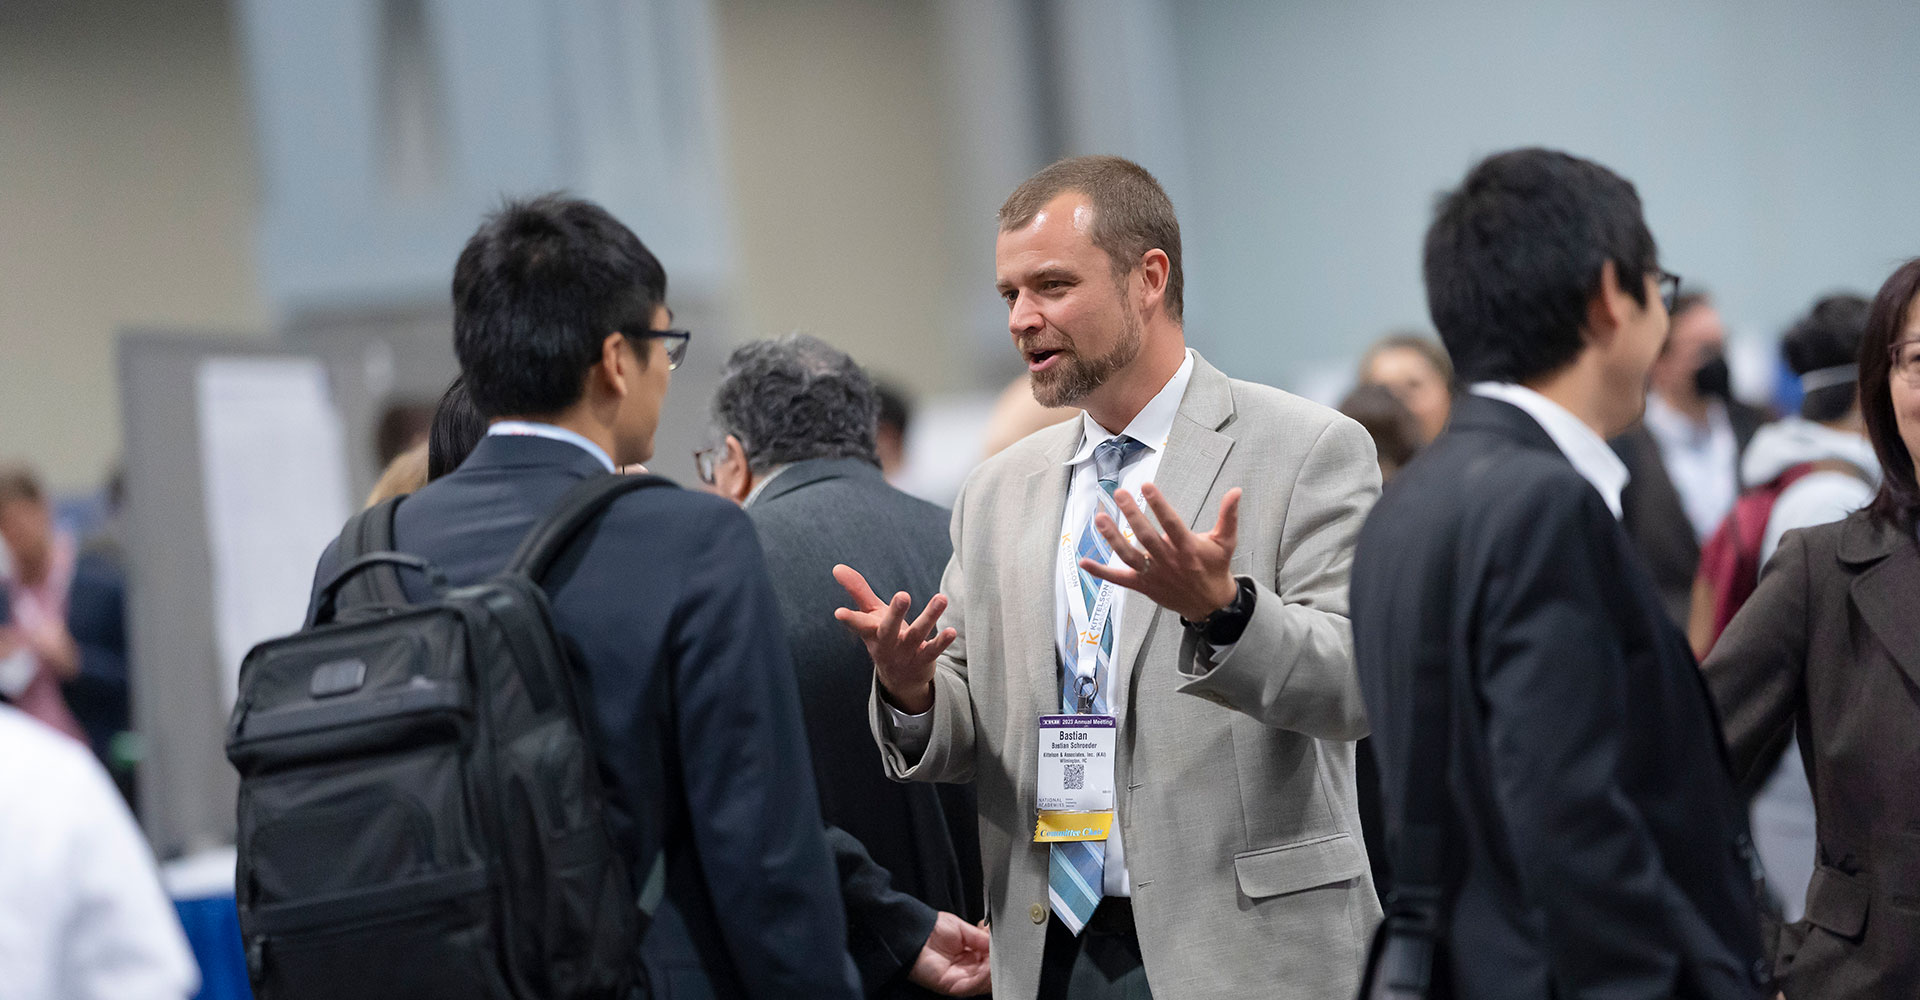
[(365, 533), (581, 506)]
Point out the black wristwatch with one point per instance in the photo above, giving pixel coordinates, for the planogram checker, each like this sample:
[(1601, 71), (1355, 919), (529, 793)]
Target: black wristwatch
[(1223, 627)]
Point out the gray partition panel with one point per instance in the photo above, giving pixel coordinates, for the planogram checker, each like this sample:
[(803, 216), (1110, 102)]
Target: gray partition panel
[(186, 786)]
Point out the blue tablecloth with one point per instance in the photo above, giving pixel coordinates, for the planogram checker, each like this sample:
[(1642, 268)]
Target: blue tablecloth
[(213, 931)]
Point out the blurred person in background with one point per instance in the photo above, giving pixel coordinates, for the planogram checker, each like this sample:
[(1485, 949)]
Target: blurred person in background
[(42, 561), (82, 914), (403, 425), (1417, 371), (1556, 798), (1396, 432), (1215, 646), (404, 474), (1828, 649), (1683, 456), (1800, 471), (97, 619), (456, 429), (1017, 412), (890, 433), (798, 451)]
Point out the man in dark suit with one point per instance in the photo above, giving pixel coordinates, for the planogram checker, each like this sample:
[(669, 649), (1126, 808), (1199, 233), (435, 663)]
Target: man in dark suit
[(1683, 456), (562, 333), (795, 419), (1593, 840)]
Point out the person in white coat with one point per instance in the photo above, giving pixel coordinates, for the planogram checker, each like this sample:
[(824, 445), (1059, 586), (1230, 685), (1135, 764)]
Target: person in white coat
[(82, 914)]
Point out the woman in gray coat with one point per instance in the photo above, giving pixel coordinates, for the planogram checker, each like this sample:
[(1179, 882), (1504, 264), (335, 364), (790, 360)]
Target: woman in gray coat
[(1828, 649)]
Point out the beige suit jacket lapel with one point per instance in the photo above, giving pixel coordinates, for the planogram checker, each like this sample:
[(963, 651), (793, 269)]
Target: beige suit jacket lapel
[(1036, 556)]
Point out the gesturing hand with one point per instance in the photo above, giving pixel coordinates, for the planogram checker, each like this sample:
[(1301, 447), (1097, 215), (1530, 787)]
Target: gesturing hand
[(902, 654), (954, 960), (1185, 573)]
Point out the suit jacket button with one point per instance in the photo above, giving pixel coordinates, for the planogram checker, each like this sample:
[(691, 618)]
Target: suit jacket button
[(1038, 913)]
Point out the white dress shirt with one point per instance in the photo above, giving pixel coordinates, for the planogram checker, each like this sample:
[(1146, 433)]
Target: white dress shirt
[(1703, 462), (1151, 427), (529, 428), (82, 915), (1586, 449)]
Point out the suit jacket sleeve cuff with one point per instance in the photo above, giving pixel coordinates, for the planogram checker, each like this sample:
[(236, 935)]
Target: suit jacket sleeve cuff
[(944, 750), (908, 733), (1292, 669)]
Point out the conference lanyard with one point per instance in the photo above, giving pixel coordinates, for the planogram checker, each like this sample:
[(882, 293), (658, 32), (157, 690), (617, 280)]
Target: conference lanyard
[(1088, 626)]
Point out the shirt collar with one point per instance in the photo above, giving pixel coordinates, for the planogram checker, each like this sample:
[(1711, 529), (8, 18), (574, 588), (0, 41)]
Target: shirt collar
[(531, 428), (1151, 426), (765, 481), (1588, 451)]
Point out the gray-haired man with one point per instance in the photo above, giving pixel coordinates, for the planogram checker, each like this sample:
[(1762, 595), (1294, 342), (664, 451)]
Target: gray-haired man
[(795, 421)]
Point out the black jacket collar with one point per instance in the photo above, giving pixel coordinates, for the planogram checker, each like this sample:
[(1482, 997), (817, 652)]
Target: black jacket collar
[(1486, 415), (525, 451)]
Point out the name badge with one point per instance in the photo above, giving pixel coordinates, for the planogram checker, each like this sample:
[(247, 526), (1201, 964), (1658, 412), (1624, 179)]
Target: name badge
[(1076, 778)]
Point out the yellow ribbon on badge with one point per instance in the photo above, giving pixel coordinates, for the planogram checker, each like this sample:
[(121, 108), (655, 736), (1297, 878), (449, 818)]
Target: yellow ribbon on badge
[(1057, 826)]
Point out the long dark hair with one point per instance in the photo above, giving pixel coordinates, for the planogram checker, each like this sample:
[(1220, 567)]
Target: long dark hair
[(1898, 502), (457, 430)]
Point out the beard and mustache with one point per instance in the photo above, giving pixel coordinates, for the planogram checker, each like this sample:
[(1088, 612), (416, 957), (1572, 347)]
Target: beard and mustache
[(1072, 378)]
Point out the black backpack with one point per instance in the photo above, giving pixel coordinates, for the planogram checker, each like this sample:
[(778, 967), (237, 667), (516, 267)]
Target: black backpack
[(422, 811)]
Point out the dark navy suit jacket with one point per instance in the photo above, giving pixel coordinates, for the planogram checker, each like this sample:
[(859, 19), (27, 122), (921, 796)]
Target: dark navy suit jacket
[(1597, 843), (668, 603)]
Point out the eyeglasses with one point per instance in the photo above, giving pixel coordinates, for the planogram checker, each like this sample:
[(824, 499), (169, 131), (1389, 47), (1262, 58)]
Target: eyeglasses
[(705, 459), (676, 344), (1906, 362), (1669, 290)]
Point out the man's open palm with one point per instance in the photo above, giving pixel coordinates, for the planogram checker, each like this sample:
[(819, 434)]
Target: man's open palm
[(903, 652)]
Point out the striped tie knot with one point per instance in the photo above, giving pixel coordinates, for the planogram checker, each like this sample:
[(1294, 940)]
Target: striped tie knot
[(1112, 455)]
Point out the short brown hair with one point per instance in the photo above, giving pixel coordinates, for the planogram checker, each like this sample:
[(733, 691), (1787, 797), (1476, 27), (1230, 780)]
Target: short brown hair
[(17, 482), (1131, 212)]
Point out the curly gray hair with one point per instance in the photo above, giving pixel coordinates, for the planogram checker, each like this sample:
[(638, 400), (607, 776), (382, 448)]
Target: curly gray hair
[(795, 398)]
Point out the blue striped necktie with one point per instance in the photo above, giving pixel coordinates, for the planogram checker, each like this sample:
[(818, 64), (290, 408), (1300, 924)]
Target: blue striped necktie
[(1076, 869)]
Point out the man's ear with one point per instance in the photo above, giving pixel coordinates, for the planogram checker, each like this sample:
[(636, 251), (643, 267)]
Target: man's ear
[(734, 455), (1155, 270), (616, 365), (1607, 307)]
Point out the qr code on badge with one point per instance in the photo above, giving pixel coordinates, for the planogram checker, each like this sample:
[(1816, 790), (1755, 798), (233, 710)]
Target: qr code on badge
[(1075, 778)]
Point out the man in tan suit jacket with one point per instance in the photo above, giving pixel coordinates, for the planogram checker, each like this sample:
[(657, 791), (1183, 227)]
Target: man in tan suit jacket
[(1235, 865)]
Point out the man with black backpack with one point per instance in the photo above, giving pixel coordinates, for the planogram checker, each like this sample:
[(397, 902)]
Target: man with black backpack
[(661, 602)]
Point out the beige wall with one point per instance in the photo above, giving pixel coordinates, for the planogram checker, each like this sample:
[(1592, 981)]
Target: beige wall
[(126, 198), (839, 217)]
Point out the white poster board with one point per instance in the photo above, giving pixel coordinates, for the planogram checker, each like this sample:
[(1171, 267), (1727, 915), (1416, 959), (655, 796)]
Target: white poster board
[(274, 460)]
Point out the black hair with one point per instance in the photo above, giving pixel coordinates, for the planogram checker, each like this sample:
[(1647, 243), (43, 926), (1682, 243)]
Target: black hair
[(456, 431), (1898, 500), (1828, 336), (536, 291), (796, 398), (1514, 256)]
